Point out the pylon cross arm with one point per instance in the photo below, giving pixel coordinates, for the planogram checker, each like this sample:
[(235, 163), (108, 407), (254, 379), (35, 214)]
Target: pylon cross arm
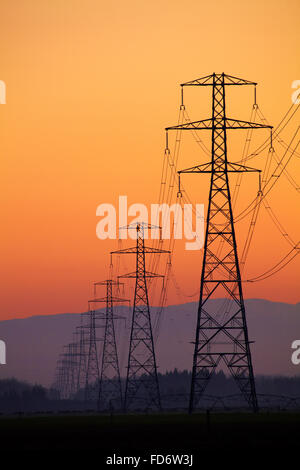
[(238, 124), (212, 124), (215, 78), (104, 299), (147, 249), (134, 275), (208, 168)]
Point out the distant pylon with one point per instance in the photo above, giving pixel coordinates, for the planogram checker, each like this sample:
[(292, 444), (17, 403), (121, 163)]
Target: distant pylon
[(110, 388), (92, 370), (66, 372), (72, 355), (141, 380), (82, 341), (60, 377), (220, 335)]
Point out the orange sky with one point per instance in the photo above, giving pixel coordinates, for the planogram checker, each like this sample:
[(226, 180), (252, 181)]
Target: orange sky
[(91, 85)]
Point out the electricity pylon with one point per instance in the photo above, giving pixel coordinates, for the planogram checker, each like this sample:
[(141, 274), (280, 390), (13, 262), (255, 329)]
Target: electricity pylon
[(66, 372), (220, 336), (110, 389), (141, 380), (61, 377), (81, 334)]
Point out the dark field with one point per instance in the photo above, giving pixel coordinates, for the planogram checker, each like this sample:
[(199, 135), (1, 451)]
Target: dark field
[(141, 435)]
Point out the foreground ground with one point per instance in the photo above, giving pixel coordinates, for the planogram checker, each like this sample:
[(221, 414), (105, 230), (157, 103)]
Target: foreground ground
[(142, 435)]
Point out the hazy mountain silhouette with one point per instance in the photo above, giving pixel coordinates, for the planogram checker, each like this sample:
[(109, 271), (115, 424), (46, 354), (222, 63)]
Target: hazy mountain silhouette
[(33, 344)]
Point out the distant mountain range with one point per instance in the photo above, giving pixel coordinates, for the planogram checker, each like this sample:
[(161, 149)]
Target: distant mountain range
[(34, 343)]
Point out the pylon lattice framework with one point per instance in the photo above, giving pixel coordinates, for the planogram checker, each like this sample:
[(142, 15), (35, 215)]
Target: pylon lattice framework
[(92, 367), (98, 383), (141, 381), (83, 342), (220, 336), (110, 388)]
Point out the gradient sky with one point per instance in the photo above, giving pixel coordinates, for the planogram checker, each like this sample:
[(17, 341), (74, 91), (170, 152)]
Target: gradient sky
[(91, 85)]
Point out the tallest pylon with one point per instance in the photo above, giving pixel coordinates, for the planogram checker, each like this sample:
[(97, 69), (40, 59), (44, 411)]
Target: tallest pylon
[(221, 334)]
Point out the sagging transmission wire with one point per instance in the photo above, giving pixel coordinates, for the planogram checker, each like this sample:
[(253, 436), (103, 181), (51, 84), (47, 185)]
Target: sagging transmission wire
[(289, 177), (257, 200), (274, 178), (276, 132), (168, 178), (285, 260)]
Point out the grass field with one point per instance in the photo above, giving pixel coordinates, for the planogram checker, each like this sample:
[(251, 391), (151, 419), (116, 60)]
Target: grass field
[(128, 435)]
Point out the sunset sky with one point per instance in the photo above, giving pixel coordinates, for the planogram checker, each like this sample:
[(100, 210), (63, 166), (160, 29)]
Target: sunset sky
[(91, 86)]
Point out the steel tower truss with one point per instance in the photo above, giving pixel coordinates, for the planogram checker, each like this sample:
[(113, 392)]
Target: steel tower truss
[(220, 336), (83, 343), (92, 367), (110, 389), (142, 381)]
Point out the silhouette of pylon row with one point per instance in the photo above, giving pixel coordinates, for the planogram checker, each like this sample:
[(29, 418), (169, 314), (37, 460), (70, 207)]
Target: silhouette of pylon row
[(221, 336), (78, 368), (82, 367)]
